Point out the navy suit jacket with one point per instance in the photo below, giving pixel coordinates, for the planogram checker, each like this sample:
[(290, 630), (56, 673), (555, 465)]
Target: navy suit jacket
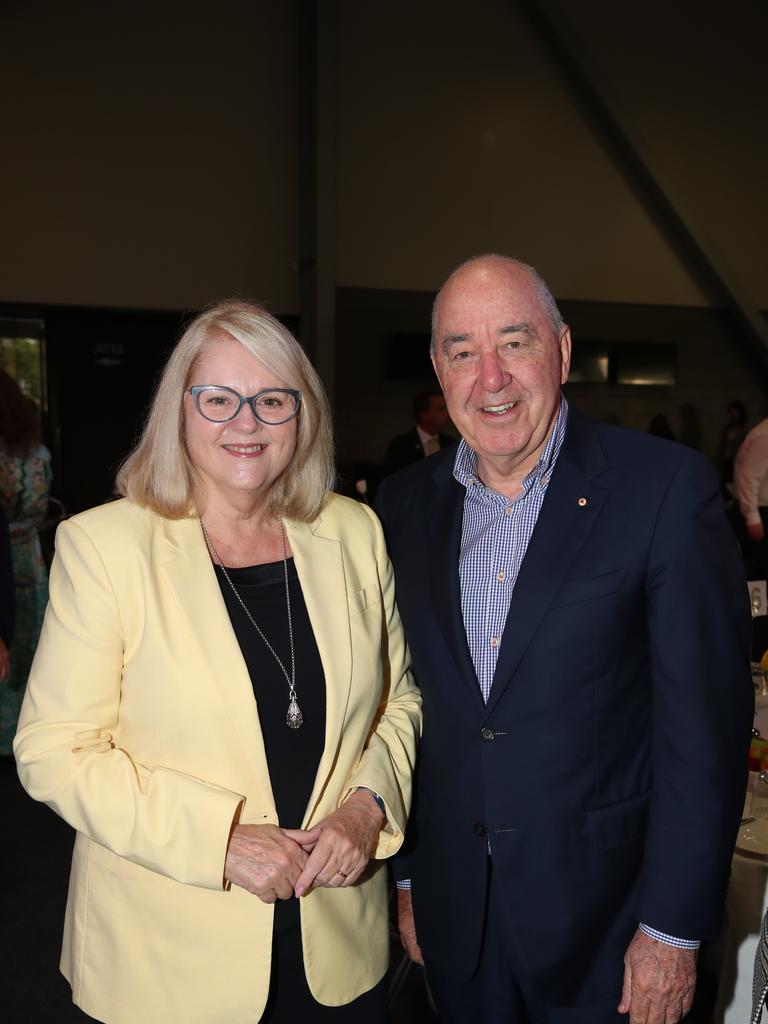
[(407, 448), (609, 765)]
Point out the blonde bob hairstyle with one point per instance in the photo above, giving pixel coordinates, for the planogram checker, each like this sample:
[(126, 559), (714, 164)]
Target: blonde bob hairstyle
[(159, 475)]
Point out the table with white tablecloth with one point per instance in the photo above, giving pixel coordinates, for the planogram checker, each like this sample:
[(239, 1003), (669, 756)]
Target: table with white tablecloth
[(745, 905)]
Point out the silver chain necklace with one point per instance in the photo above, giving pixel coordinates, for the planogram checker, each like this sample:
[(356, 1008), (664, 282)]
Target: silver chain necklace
[(294, 718)]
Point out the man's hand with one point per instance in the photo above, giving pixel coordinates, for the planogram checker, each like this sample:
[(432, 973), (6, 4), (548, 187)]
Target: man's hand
[(659, 981), (756, 531), (407, 926), (347, 839), (264, 860), (5, 660)]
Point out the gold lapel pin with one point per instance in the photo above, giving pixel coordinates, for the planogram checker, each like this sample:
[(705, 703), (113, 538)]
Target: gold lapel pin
[(582, 502)]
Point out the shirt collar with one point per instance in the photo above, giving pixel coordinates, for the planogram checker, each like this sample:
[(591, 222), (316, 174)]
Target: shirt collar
[(465, 463)]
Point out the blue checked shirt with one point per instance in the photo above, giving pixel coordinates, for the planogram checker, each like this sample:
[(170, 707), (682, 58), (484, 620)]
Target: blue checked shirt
[(494, 539), (495, 534)]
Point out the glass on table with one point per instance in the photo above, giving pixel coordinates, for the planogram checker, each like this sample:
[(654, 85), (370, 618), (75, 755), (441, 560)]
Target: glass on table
[(757, 805), (752, 839)]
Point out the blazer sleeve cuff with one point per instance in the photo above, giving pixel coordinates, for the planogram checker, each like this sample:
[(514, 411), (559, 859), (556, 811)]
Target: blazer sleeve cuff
[(391, 835)]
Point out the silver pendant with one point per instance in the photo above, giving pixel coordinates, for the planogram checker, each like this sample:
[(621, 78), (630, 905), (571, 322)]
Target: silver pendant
[(294, 719)]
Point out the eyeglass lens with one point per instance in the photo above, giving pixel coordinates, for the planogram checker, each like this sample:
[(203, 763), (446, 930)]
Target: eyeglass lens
[(221, 404)]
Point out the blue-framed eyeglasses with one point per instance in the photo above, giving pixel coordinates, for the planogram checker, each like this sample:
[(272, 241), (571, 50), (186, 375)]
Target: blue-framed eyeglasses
[(220, 404)]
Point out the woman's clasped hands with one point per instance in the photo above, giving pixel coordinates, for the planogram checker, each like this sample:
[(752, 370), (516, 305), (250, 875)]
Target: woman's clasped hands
[(276, 863), (266, 860)]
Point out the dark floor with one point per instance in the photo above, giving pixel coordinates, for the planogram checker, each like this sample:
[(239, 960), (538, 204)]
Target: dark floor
[(37, 847)]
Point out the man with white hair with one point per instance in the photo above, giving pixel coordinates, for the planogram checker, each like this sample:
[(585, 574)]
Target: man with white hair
[(577, 615)]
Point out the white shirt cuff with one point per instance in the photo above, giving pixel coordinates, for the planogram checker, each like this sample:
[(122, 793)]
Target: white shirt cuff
[(670, 940)]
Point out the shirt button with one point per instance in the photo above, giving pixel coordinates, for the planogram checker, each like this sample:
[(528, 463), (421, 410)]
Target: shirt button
[(488, 734), (494, 641), (501, 576), (509, 511), (479, 829)]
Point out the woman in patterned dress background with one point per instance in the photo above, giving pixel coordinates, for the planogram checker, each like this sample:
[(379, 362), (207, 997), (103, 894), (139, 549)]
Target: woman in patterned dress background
[(25, 477)]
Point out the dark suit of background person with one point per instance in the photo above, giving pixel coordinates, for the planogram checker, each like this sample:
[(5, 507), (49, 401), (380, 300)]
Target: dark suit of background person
[(7, 596), (601, 784), (431, 416)]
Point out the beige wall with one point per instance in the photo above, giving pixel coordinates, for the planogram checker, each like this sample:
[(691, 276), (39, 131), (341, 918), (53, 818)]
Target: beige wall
[(690, 81), (458, 134), (149, 152)]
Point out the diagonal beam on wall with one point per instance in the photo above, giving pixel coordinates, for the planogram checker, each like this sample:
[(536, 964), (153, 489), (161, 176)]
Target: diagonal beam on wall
[(724, 290)]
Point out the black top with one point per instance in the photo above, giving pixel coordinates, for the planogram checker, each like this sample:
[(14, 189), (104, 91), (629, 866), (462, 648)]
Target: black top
[(293, 755), (407, 448)]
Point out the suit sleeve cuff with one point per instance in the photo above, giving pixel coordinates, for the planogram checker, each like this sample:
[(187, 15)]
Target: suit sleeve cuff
[(670, 940)]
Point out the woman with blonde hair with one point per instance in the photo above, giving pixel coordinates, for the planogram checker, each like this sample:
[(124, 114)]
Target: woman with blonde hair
[(221, 706)]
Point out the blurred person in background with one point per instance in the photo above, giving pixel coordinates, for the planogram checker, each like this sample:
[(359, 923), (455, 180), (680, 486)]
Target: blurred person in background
[(221, 705), (731, 438), (25, 479), (750, 488), (425, 438), (7, 598), (660, 427)]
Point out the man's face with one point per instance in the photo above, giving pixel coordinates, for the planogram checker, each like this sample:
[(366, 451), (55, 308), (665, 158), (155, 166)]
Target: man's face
[(500, 364), (435, 417)]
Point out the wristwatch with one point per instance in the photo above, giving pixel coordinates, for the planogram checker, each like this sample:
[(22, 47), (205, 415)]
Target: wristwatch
[(379, 800)]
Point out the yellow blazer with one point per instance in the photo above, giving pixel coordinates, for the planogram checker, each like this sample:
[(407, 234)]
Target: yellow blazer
[(140, 728)]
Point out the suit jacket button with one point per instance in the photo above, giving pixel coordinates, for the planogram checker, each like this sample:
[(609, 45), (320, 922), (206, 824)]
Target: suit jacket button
[(479, 829), (488, 734)]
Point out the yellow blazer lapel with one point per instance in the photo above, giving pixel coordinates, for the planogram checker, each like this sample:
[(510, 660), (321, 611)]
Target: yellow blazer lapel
[(320, 565), (209, 642)]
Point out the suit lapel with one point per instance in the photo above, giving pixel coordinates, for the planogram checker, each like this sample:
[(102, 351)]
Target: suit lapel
[(210, 641), (319, 562), (570, 509), (444, 519), (209, 644)]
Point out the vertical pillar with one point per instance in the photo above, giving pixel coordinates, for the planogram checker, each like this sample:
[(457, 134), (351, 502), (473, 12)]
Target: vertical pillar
[(317, 218)]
